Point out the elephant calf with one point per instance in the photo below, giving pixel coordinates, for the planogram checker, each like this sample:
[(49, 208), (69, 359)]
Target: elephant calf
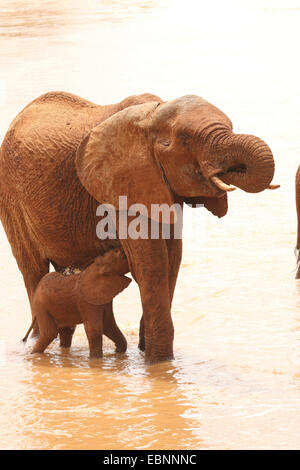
[(62, 301)]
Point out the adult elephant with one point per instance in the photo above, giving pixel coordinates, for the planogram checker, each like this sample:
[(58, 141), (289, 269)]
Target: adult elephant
[(63, 155)]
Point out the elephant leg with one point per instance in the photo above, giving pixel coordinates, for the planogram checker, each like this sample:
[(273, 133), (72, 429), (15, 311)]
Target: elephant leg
[(65, 336), (32, 264), (175, 255), (174, 247), (93, 325), (31, 280), (148, 261), (47, 332), (111, 329), (142, 345)]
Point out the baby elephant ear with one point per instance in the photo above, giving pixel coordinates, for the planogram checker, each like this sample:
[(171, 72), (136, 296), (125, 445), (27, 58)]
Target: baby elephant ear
[(116, 159), (100, 289)]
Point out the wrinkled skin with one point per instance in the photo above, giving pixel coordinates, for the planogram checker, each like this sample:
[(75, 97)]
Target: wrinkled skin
[(62, 156), (61, 302)]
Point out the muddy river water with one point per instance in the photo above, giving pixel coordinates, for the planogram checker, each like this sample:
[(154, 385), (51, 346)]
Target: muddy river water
[(235, 380)]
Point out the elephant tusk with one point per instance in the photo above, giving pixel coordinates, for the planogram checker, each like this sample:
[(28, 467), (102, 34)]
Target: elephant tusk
[(221, 185), (273, 186)]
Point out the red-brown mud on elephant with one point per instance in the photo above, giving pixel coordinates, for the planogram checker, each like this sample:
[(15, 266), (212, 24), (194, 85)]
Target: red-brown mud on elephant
[(234, 383)]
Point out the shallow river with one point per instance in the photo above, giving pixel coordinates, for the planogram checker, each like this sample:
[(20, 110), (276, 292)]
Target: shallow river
[(235, 381)]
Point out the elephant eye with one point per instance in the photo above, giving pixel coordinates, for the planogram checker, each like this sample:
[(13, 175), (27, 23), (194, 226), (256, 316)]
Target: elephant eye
[(165, 142)]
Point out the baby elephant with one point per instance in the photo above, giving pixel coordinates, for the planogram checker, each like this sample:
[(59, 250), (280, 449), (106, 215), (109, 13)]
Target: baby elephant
[(64, 301)]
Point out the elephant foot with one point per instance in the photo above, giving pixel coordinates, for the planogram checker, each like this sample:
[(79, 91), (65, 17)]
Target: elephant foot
[(160, 354), (96, 353), (121, 347), (156, 358), (159, 348)]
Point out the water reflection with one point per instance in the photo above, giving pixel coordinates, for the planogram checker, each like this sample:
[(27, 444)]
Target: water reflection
[(109, 400)]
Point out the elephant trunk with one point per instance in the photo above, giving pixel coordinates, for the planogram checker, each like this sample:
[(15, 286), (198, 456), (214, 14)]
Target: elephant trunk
[(246, 162)]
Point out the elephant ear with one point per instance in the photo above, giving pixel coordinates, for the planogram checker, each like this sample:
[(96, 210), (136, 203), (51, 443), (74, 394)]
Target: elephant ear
[(115, 159), (100, 289), (217, 206)]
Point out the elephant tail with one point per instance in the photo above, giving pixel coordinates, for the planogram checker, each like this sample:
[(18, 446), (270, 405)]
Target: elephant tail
[(29, 330)]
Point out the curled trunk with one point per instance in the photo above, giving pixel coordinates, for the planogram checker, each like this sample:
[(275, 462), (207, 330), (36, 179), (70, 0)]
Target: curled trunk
[(248, 162)]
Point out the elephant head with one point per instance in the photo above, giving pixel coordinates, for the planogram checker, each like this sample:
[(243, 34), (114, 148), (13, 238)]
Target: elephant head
[(102, 280), (185, 149)]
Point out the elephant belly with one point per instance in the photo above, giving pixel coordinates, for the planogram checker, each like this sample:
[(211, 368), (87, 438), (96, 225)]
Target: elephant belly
[(67, 248), (64, 224), (64, 256), (66, 318)]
